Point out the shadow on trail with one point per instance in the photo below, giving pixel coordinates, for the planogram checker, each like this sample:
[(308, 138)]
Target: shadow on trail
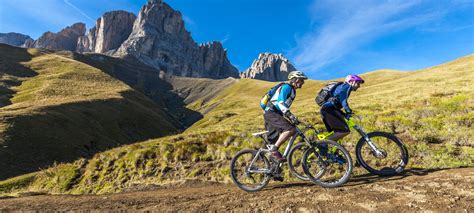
[(289, 185), (368, 178)]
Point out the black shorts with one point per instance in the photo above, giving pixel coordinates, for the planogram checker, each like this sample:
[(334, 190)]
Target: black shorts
[(275, 124), (334, 119)]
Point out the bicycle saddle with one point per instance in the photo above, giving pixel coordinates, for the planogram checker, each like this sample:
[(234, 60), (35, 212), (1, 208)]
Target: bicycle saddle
[(258, 134)]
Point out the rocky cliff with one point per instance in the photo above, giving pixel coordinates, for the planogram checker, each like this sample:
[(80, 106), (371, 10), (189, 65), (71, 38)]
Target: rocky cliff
[(66, 39), (110, 31), (269, 67), (15, 39), (159, 39)]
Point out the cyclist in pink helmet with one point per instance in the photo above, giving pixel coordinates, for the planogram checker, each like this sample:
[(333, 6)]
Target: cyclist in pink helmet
[(331, 112), (355, 81)]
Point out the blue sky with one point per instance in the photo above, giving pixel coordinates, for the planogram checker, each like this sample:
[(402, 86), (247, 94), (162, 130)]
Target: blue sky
[(325, 38)]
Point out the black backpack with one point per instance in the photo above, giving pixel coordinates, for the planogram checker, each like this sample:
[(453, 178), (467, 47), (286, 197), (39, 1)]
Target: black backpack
[(326, 92)]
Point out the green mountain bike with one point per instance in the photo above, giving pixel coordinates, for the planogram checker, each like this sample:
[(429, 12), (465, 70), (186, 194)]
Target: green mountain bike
[(380, 153), (252, 169)]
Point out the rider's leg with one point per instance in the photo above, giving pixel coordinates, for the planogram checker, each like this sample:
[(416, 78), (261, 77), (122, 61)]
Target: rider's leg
[(334, 121), (338, 135), (284, 136), (278, 122)]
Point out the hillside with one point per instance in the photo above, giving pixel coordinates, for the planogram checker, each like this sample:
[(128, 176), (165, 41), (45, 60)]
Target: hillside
[(431, 110), (57, 109)]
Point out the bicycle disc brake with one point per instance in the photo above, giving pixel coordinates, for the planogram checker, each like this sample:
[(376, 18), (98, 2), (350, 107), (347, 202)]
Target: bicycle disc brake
[(380, 153)]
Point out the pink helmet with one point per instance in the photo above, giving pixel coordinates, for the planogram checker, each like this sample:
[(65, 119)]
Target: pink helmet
[(354, 78)]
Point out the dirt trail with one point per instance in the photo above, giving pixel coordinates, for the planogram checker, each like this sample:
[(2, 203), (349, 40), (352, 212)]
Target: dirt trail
[(426, 190)]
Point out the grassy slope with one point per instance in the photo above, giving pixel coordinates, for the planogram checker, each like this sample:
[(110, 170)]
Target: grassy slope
[(59, 109), (431, 110)]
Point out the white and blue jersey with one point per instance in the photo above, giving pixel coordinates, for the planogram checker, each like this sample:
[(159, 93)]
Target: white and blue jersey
[(282, 99)]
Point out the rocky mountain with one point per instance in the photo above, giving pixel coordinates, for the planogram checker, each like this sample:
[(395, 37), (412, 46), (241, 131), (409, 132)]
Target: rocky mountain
[(110, 31), (15, 39), (159, 39), (269, 67), (66, 39)]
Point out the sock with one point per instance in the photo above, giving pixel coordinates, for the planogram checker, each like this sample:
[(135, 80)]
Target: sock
[(273, 148)]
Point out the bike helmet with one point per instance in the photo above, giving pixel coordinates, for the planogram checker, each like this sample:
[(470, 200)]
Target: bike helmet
[(355, 78), (296, 74)]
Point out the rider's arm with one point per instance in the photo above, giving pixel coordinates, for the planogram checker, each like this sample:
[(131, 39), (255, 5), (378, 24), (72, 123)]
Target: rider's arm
[(281, 101), (343, 95)]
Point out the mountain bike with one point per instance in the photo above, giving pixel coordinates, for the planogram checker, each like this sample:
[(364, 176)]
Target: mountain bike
[(252, 169), (380, 153)]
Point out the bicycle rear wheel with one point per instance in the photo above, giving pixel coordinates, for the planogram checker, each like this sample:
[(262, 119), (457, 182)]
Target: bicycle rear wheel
[(395, 154), (295, 161), (328, 168), (250, 178)]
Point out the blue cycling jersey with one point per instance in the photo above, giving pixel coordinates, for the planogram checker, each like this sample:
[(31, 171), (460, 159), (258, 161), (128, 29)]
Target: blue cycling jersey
[(341, 94), (283, 98)]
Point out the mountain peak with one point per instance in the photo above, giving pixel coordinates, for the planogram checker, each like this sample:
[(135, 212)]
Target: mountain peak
[(66, 39), (159, 39), (110, 31), (15, 39), (269, 67), (155, 1)]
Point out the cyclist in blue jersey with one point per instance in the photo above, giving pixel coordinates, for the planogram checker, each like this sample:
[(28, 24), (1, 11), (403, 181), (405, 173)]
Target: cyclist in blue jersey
[(333, 117), (278, 108)]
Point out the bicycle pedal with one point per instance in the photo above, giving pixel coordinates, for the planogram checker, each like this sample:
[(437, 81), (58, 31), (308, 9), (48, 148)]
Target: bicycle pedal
[(274, 160), (278, 178)]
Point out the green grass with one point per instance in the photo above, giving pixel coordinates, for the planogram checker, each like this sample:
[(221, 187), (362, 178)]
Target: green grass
[(16, 183), (62, 109), (431, 110)]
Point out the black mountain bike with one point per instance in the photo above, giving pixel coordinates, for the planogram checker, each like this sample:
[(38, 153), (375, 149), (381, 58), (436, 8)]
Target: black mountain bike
[(252, 169)]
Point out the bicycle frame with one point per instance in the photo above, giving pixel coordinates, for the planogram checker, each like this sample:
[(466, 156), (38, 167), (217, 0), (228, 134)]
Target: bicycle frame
[(285, 154), (352, 124)]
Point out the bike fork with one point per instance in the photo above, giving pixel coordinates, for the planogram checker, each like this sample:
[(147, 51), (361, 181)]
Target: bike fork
[(376, 151)]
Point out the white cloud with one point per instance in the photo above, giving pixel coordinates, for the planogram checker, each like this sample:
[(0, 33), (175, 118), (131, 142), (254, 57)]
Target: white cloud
[(50, 15), (188, 20), (343, 26), (50, 11), (226, 38), (79, 10)]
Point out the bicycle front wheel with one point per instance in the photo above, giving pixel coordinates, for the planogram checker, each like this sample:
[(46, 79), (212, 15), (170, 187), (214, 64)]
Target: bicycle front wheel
[(393, 157), (327, 164), (295, 161), (249, 171)]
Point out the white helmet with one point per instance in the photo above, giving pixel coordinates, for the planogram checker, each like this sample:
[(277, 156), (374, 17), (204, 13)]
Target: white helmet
[(296, 74)]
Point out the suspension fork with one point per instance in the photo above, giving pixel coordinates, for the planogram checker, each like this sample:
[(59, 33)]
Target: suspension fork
[(375, 149)]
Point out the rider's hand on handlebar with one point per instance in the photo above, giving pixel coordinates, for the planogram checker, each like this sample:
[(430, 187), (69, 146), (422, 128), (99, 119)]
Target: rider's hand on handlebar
[(348, 115), (292, 118)]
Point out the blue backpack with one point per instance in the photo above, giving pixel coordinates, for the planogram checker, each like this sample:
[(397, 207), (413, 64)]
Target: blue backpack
[(269, 95)]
